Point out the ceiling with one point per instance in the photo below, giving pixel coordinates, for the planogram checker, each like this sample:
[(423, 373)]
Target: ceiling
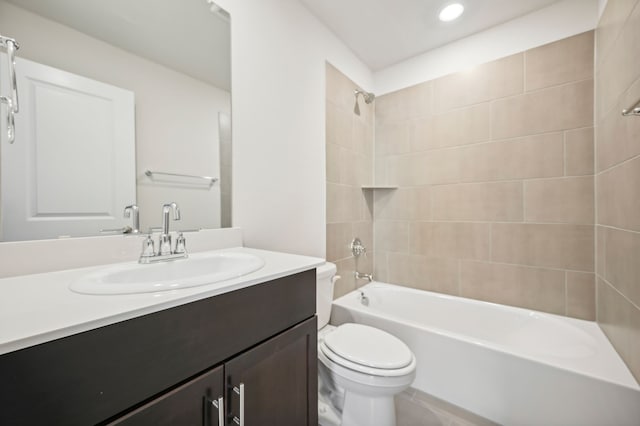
[(182, 35), (384, 32)]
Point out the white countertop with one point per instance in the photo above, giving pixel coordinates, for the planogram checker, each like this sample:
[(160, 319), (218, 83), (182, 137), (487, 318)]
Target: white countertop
[(38, 308)]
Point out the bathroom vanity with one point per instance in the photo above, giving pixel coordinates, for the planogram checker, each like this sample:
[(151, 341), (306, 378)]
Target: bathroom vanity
[(205, 356)]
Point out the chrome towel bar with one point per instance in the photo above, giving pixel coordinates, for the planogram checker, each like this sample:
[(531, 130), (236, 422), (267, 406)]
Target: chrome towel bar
[(211, 180), (634, 110)]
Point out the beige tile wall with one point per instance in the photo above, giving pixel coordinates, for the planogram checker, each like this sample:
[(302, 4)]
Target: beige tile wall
[(349, 166), (617, 178), (496, 186)]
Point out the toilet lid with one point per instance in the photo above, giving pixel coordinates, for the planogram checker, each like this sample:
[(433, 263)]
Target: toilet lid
[(368, 346)]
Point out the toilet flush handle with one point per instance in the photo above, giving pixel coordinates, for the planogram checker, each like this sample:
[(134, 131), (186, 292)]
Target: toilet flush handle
[(335, 278)]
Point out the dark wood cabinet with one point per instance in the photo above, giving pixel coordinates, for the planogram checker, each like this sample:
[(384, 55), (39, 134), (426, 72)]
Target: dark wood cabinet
[(273, 381), (279, 380), (164, 368)]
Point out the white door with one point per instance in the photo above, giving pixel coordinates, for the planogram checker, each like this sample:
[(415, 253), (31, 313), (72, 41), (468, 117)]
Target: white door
[(71, 170)]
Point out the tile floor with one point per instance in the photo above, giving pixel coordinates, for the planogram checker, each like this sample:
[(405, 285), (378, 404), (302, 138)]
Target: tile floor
[(415, 408)]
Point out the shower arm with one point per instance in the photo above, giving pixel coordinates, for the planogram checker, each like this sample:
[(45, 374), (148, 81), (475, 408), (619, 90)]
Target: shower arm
[(367, 96)]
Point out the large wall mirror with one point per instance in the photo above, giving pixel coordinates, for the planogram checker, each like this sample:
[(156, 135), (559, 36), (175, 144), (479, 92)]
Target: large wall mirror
[(121, 102)]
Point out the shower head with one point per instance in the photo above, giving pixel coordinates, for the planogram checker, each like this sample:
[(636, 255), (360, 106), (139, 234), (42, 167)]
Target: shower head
[(367, 96)]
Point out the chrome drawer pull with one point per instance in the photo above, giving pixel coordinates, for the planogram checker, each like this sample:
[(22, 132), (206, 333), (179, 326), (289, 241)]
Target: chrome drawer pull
[(240, 420), (219, 404)]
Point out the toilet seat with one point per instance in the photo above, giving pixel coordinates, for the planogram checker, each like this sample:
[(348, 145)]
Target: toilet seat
[(367, 350)]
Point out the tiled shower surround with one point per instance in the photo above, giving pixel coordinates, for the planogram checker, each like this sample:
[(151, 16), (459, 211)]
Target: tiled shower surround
[(349, 167), (494, 168), (618, 179)]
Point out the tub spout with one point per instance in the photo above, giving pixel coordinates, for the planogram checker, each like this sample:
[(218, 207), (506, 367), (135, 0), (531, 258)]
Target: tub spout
[(360, 276)]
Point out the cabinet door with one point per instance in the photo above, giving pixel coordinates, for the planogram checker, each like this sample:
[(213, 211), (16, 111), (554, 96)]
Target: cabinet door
[(188, 405), (276, 381)]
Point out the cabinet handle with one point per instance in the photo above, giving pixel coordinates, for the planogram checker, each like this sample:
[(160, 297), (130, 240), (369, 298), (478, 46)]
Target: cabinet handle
[(240, 420), (219, 404)]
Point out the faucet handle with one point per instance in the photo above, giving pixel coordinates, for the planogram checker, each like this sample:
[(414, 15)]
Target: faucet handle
[(148, 249), (181, 244), (165, 245), (357, 248)]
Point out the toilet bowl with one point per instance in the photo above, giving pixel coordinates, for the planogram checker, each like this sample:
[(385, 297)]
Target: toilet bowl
[(361, 368)]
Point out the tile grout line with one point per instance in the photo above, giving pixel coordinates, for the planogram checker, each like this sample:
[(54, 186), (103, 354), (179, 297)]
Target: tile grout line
[(564, 153), (502, 180), (621, 163), (596, 241), (554, 86), (491, 114), (524, 202), (459, 277), (615, 228), (614, 108), (604, 271), (524, 71), (490, 140), (502, 222), (490, 242), (624, 296)]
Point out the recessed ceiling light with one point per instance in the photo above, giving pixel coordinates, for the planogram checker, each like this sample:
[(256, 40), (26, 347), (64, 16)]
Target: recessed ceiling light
[(451, 12)]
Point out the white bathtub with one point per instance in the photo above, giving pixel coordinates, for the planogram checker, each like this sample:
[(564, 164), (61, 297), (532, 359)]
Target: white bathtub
[(513, 366)]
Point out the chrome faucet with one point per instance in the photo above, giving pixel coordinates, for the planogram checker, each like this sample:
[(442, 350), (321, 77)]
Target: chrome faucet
[(361, 276), (130, 211), (165, 237), (133, 212), (165, 250)]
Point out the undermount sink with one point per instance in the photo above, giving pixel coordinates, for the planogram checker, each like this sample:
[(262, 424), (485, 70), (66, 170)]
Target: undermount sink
[(199, 269)]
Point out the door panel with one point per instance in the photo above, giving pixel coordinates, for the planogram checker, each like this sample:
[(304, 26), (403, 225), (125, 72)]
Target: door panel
[(280, 379), (71, 170)]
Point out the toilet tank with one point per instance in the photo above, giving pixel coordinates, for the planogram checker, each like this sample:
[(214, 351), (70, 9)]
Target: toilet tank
[(325, 280)]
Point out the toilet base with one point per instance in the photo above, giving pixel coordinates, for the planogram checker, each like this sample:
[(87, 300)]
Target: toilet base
[(328, 415), (360, 410), (357, 398)]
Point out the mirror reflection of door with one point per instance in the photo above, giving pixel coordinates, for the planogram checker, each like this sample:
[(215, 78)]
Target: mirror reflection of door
[(175, 58), (71, 169)]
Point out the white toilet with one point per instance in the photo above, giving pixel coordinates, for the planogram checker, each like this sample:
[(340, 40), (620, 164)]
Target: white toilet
[(360, 368)]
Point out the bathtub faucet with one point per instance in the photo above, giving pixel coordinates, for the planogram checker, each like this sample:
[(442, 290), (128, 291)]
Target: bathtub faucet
[(360, 276)]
